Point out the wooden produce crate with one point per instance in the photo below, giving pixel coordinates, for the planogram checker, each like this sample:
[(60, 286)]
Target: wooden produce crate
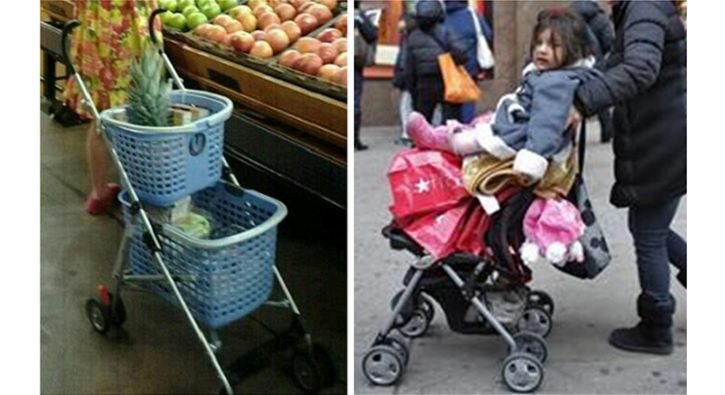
[(316, 114), (61, 10)]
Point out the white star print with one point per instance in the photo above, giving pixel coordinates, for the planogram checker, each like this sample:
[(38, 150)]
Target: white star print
[(422, 186)]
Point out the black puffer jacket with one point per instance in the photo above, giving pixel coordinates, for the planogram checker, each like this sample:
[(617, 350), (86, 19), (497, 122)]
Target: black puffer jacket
[(645, 78), (423, 44)]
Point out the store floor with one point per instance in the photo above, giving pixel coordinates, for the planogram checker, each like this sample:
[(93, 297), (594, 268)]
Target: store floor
[(157, 351)]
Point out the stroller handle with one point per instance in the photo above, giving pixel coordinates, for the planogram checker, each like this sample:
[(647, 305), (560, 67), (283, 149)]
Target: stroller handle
[(67, 29), (152, 32)]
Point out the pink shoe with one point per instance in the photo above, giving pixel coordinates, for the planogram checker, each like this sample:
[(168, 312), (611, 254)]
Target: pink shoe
[(425, 136), (101, 205)]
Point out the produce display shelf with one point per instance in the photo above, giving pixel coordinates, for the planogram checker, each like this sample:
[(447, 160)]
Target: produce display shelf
[(312, 112)]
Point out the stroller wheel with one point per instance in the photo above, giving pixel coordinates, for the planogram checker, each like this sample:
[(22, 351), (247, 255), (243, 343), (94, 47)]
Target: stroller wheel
[(522, 372), (536, 320), (313, 371), (427, 305), (382, 365), (416, 326), (532, 344), (540, 299), (399, 346), (99, 315)]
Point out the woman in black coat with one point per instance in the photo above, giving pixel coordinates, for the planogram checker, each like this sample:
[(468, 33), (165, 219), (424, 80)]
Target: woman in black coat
[(425, 42), (645, 78)]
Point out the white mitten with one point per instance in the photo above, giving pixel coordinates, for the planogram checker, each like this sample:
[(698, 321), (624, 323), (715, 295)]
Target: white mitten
[(556, 254), (529, 253), (576, 252)]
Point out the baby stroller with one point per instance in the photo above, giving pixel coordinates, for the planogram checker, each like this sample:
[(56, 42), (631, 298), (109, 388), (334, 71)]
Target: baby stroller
[(214, 280), (484, 294)]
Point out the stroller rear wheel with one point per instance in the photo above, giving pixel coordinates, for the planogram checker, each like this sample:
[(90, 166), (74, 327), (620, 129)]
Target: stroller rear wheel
[(532, 344), (522, 372), (416, 326), (398, 346), (99, 315), (536, 320), (541, 299), (383, 365)]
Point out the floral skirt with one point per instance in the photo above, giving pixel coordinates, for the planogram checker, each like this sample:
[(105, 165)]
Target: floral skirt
[(111, 35)]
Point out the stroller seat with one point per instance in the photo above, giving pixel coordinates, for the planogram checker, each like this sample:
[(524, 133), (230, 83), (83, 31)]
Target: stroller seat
[(400, 241)]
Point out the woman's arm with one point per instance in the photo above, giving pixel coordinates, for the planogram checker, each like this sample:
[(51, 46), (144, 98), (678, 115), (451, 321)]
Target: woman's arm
[(644, 35)]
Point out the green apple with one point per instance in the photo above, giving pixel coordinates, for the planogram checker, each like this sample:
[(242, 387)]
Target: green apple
[(177, 21), (172, 5), (185, 3), (189, 10), (227, 4), (211, 10), (201, 3), (236, 12), (164, 16), (196, 19)]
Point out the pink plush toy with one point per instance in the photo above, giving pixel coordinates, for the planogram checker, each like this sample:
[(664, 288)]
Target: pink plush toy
[(552, 228)]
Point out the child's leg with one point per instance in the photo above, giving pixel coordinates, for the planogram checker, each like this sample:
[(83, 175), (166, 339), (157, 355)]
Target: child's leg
[(464, 142), (425, 136)]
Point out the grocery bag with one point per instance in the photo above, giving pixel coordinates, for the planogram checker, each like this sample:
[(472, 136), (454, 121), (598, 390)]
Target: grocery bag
[(438, 232), (423, 181)]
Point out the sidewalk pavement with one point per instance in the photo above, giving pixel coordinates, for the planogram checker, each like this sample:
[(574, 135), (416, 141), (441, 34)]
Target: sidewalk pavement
[(580, 359)]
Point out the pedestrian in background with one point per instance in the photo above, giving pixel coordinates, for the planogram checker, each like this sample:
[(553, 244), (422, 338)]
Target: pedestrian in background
[(645, 78), (366, 34), (459, 18), (405, 105), (428, 39), (601, 35)]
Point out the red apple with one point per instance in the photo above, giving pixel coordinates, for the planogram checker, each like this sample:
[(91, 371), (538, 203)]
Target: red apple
[(277, 39), (330, 4), (319, 11), (268, 18), (285, 11), (262, 9), (340, 44), (292, 30), (234, 26), (261, 49), (259, 35), (216, 33), (288, 57), (308, 45), (241, 41), (328, 72), (329, 35), (327, 53), (341, 24), (308, 63), (306, 22)]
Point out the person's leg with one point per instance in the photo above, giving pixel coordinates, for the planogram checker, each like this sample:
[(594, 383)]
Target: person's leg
[(451, 111), (468, 112), (405, 107), (677, 253), (650, 229), (425, 98), (102, 195), (358, 109)]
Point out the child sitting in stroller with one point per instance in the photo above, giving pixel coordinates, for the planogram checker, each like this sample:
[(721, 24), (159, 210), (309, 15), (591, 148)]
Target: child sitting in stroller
[(528, 141), (526, 146)]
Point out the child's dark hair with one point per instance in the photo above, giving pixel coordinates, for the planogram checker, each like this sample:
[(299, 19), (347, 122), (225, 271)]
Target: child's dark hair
[(569, 28)]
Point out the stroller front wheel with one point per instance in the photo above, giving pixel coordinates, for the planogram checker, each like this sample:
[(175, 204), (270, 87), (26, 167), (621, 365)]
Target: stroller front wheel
[(531, 343), (99, 316), (522, 372), (536, 320), (383, 365)]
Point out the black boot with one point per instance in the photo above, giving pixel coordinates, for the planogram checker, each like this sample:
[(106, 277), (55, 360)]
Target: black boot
[(653, 334), (359, 146)]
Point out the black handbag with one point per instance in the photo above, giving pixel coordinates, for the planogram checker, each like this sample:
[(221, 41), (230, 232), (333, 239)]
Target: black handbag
[(596, 251)]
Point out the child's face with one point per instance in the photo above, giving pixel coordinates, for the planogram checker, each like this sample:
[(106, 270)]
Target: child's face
[(548, 51)]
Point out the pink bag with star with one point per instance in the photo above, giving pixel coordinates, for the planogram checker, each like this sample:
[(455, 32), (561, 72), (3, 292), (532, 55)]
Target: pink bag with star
[(424, 181)]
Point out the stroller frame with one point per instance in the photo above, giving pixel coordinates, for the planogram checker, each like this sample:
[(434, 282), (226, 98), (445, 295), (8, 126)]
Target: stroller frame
[(312, 366), (412, 307)]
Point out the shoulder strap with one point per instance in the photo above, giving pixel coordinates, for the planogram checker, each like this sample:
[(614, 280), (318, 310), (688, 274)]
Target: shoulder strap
[(475, 23), (582, 145)]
